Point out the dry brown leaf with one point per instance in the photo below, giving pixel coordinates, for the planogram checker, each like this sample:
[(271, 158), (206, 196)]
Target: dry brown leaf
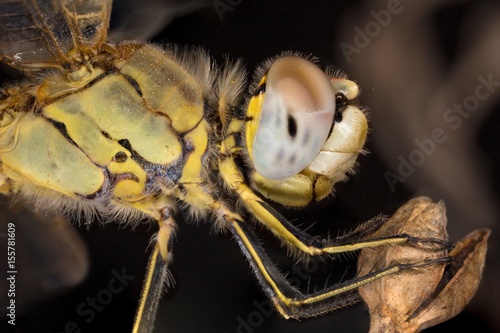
[(425, 296)]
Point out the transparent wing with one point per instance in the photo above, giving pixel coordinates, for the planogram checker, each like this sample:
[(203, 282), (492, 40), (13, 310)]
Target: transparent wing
[(142, 20), (37, 34)]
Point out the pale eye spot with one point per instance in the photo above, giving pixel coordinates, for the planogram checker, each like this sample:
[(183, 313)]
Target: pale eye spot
[(296, 116)]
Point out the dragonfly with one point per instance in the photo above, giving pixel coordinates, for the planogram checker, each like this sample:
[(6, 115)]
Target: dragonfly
[(129, 130)]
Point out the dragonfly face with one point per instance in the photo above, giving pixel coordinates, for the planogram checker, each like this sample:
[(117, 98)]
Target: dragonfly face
[(149, 129)]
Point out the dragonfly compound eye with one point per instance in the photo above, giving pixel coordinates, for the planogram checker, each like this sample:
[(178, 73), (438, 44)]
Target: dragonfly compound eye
[(290, 117)]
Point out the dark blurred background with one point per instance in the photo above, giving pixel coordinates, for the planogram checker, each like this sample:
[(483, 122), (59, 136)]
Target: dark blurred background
[(413, 66)]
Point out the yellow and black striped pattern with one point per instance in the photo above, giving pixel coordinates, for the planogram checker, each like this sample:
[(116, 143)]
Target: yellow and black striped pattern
[(139, 120)]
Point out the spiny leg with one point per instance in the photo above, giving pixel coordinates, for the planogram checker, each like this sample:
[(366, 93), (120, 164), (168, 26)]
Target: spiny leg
[(289, 301), (284, 230), (357, 240), (156, 276)]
